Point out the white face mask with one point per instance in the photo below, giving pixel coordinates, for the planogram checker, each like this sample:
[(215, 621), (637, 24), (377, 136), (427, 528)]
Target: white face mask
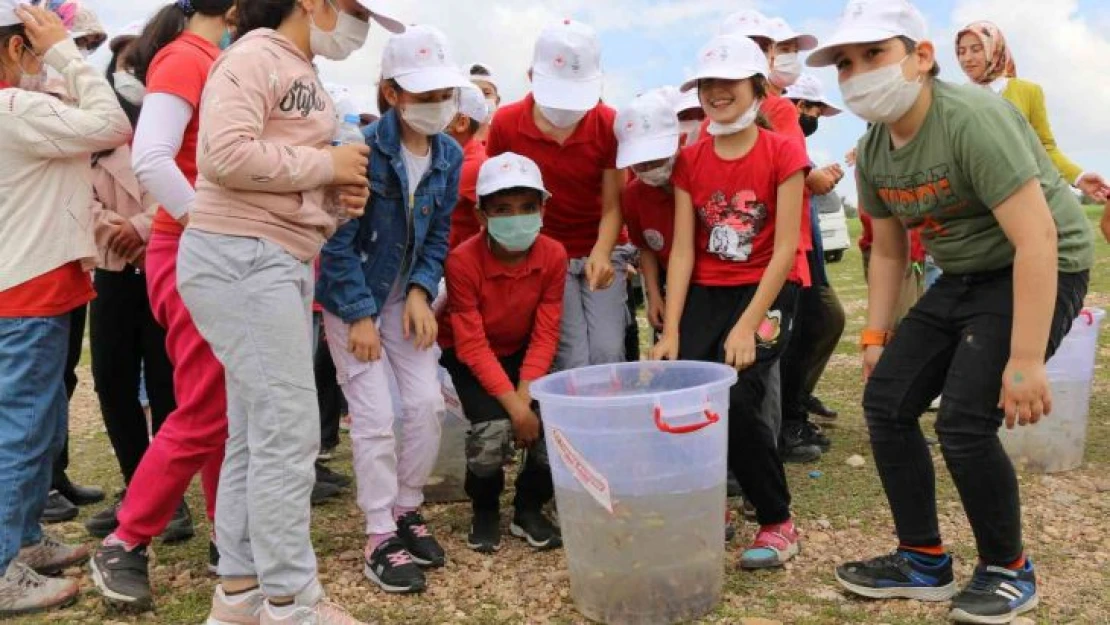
[(491, 103), (32, 82), (742, 123), (786, 71), (85, 53), (562, 118), (881, 96), (430, 118), (129, 88), (659, 176), (349, 35)]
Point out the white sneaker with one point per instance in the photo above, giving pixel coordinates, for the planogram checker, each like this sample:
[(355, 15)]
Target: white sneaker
[(323, 613), (242, 609), (23, 591), (935, 406)]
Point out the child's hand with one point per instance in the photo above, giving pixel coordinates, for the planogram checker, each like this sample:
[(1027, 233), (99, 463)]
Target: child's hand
[(871, 357), (666, 348), (1105, 225), (740, 348), (363, 340), (821, 181), (419, 321), (526, 427), (1093, 186), (599, 272), (44, 28), (850, 157), (657, 307), (1026, 395), (349, 163), (352, 199), (126, 242)]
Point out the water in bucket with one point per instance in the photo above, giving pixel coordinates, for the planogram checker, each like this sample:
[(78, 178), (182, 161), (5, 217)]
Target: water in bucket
[(638, 457), (1056, 443)]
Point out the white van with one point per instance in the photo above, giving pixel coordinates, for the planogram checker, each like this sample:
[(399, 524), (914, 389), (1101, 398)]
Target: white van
[(834, 226)]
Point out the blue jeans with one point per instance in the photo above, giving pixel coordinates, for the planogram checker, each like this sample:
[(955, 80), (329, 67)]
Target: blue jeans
[(932, 272), (33, 416)]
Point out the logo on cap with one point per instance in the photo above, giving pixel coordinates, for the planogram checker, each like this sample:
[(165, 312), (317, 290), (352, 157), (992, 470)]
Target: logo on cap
[(856, 9), (559, 61), (720, 53)]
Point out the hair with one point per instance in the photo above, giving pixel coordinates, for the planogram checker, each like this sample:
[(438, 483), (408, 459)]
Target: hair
[(911, 47), (254, 14), (383, 104), (168, 24), (510, 191), (474, 126), (8, 32), (478, 69), (130, 109)]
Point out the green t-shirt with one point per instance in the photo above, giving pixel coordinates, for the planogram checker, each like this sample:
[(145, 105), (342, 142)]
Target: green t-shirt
[(974, 151)]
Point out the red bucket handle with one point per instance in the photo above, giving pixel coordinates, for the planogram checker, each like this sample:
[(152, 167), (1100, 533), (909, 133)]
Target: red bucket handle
[(710, 416)]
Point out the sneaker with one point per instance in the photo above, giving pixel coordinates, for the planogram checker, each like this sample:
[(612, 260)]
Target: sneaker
[(323, 613), (794, 448), (485, 532), (77, 494), (747, 509), (812, 434), (123, 576), (105, 522), (323, 491), (324, 474), (536, 529), (730, 527), (326, 454), (23, 591), (425, 550), (934, 405), (817, 408), (58, 509), (996, 595), (774, 546), (180, 527), (732, 485), (239, 609), (213, 558), (393, 569), (51, 557), (899, 575)]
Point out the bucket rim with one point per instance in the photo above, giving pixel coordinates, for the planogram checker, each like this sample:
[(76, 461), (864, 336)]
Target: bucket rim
[(729, 376)]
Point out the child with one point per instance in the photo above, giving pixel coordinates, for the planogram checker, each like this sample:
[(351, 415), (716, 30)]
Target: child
[(733, 277), (786, 69), (482, 77), (378, 279), (1015, 247), (494, 352), (46, 251), (474, 112), (566, 130)]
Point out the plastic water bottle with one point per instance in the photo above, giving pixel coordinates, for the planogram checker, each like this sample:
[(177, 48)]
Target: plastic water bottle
[(348, 133)]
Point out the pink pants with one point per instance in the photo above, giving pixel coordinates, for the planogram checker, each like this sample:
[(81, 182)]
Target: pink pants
[(192, 438)]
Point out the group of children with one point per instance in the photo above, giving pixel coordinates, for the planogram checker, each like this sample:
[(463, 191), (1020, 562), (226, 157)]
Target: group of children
[(712, 182)]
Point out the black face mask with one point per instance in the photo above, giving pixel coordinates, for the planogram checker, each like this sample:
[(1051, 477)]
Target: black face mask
[(809, 124)]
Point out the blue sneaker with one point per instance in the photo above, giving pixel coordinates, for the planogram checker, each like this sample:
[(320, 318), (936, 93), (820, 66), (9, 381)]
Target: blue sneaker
[(900, 575), (996, 595)]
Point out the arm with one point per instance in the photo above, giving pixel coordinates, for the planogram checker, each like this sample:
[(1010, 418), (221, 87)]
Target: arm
[(549, 315), (428, 267), (158, 139), (350, 298), (471, 343), (889, 258), (679, 269), (649, 272), (1038, 118), (599, 265)]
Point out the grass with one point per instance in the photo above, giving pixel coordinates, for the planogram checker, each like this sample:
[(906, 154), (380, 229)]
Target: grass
[(843, 515)]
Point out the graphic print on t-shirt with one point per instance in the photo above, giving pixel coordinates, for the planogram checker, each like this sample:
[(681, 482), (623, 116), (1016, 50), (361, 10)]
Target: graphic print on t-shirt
[(654, 239), (921, 199), (733, 224)]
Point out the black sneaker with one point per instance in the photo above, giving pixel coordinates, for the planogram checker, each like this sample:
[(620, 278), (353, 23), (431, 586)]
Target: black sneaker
[(122, 576), (795, 449), (213, 558), (393, 569), (732, 485), (105, 522), (324, 474), (485, 532), (900, 575), (323, 491), (996, 595), (58, 509), (180, 527), (817, 408), (79, 495), (536, 529), (412, 529), (812, 434)]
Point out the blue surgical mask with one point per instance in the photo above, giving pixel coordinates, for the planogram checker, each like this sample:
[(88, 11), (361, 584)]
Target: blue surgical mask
[(516, 233), (226, 41)]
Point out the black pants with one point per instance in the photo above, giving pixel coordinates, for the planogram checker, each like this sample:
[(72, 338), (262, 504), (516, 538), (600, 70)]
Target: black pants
[(489, 443), (817, 330), (632, 330), (73, 357), (328, 394), (753, 454), (955, 341), (125, 339)]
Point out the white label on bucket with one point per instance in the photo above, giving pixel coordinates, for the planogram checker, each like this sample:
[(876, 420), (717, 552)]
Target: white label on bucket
[(594, 483)]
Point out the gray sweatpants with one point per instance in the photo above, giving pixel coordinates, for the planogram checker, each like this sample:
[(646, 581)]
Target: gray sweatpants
[(594, 322), (251, 300)]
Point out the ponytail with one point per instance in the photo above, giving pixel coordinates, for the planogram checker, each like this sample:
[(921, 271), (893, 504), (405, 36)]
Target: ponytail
[(254, 14), (167, 25)]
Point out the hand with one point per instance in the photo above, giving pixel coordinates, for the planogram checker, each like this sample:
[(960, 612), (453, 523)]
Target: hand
[(419, 321), (657, 307), (1105, 225), (740, 347), (666, 348), (126, 242), (871, 357), (363, 340), (850, 158), (820, 181), (599, 271), (526, 427), (352, 199), (1093, 186), (1026, 395), (836, 171), (44, 28), (349, 163)]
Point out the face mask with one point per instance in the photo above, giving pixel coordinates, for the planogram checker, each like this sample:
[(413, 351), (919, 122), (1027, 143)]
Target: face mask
[(491, 103), (747, 119), (516, 233), (562, 118), (882, 95), (659, 176), (129, 88), (85, 53), (28, 81), (225, 41), (430, 118), (348, 36), (809, 124), (786, 71)]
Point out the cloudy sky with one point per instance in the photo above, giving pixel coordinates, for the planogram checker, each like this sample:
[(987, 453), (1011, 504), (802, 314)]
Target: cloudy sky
[(1062, 44)]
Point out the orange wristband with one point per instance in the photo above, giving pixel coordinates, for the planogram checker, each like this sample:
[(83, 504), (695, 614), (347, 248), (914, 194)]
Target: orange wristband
[(874, 338)]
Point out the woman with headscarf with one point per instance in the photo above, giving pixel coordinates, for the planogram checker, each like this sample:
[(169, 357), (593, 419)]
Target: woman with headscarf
[(987, 61)]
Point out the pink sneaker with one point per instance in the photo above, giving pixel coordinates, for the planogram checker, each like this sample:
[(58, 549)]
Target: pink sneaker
[(323, 613), (774, 546), (241, 609)]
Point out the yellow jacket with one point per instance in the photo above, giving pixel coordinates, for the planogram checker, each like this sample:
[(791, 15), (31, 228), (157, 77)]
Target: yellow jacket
[(1028, 97)]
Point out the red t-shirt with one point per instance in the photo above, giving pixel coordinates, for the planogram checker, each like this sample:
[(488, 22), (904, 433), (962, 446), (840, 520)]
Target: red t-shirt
[(54, 293), (734, 208), (649, 216), (464, 220), (917, 248), (181, 69), (479, 324), (572, 172)]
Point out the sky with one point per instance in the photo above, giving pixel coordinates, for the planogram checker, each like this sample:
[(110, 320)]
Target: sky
[(1063, 45)]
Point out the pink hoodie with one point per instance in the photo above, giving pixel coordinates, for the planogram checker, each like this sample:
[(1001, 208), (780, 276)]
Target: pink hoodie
[(265, 124)]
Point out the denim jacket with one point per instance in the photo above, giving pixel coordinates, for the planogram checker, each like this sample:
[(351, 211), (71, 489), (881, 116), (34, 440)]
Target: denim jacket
[(362, 261)]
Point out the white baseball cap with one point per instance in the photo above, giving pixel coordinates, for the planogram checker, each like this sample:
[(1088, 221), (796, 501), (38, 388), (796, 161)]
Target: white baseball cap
[(472, 103), (7, 12), (475, 72), (783, 32), (419, 59), (731, 57), (647, 129), (566, 67), (509, 171), (808, 87), (865, 21), (381, 15), (748, 23)]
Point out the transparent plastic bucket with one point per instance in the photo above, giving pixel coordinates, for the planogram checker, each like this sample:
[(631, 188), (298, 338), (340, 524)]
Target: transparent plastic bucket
[(638, 458), (1057, 442)]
